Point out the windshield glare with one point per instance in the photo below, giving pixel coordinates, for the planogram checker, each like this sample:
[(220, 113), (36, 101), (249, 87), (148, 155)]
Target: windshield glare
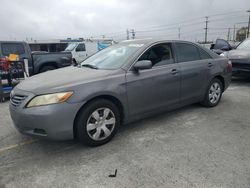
[(112, 57), (245, 45), (71, 47)]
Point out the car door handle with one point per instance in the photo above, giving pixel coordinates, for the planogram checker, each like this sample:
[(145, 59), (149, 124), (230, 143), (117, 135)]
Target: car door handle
[(210, 65), (174, 71)]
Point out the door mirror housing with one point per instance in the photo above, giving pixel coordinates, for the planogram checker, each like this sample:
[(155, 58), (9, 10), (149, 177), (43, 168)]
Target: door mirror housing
[(143, 64)]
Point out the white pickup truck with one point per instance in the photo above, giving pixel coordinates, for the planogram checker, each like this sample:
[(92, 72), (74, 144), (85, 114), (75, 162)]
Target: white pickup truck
[(81, 50)]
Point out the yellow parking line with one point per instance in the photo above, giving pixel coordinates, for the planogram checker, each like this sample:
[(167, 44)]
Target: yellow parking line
[(17, 145)]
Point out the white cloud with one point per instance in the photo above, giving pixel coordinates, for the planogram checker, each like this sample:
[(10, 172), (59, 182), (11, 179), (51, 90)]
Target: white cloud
[(46, 19)]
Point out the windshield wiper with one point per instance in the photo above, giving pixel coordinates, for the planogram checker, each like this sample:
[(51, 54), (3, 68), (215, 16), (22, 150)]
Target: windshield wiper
[(90, 66)]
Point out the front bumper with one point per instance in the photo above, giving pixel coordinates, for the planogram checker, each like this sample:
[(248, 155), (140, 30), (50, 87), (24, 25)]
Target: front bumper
[(51, 121)]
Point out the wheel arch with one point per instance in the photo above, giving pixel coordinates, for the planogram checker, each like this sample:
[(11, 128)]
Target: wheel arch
[(52, 63), (111, 98), (219, 77)]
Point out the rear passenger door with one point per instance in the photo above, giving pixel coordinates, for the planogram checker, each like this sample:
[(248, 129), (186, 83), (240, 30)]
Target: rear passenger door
[(194, 64)]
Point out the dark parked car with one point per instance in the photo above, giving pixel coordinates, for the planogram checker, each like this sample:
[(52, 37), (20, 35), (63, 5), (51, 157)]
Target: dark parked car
[(240, 58), (38, 61), (222, 45), (120, 84)]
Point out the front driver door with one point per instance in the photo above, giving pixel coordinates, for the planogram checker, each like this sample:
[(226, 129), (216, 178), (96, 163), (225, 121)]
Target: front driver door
[(156, 88)]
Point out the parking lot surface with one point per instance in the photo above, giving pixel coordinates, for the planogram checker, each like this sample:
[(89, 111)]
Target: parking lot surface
[(189, 147)]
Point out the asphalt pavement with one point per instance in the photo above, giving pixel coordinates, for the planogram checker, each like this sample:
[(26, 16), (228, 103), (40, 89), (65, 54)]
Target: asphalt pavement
[(190, 147)]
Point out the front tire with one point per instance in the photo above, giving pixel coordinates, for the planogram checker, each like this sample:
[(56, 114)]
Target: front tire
[(213, 94), (97, 123)]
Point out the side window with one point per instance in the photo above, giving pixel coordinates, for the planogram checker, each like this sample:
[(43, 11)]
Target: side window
[(80, 48), (160, 54), (204, 55), (12, 48), (187, 52)]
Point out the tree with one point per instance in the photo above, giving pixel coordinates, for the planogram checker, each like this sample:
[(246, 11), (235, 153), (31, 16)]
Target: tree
[(241, 34)]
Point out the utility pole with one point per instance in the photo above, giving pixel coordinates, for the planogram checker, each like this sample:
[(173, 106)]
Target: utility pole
[(127, 34), (228, 34), (234, 33), (179, 34), (133, 33), (248, 24), (206, 28)]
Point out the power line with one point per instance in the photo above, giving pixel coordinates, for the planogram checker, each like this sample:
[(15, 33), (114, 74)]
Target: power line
[(192, 19), (183, 24)]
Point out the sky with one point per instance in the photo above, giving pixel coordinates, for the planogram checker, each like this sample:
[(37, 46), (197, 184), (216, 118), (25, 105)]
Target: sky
[(51, 19)]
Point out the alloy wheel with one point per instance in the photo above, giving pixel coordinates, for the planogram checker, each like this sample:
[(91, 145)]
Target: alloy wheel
[(101, 124), (214, 93)]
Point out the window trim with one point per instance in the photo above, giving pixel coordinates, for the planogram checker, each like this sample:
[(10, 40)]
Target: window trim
[(154, 44)]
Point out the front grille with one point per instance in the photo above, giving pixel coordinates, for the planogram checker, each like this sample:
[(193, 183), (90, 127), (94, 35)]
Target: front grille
[(17, 100)]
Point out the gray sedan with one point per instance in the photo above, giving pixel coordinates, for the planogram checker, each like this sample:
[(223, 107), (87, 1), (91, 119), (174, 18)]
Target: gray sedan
[(120, 84)]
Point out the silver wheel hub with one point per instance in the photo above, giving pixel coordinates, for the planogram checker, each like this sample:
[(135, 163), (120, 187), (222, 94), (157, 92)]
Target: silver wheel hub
[(101, 124), (214, 93)]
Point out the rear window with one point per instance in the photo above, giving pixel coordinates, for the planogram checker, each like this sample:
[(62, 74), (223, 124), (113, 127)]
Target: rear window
[(204, 55), (187, 52), (12, 48)]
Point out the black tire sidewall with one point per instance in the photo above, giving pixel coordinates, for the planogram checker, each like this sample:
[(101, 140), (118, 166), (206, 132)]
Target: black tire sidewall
[(81, 128)]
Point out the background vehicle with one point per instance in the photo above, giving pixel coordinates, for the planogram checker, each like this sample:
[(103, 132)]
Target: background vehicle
[(240, 58), (222, 45), (38, 61), (120, 84), (81, 50)]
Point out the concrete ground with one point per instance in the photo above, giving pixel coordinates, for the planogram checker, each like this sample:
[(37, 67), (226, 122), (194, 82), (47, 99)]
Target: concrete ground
[(190, 147)]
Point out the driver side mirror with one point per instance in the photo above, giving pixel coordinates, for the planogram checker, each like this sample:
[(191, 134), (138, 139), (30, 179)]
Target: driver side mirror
[(143, 64)]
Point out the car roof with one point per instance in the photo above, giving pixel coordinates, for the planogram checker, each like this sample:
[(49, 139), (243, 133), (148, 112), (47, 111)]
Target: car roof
[(12, 42), (151, 41)]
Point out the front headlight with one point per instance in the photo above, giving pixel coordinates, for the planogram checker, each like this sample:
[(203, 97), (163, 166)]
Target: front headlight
[(49, 99), (222, 54)]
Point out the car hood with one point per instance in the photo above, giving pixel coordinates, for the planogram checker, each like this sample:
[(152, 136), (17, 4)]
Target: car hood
[(61, 79), (238, 54)]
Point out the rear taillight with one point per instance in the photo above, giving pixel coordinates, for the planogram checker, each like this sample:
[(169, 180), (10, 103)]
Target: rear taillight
[(229, 66)]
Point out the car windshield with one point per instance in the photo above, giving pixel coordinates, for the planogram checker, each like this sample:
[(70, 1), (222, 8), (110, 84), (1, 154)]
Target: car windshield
[(245, 45), (71, 47), (112, 57)]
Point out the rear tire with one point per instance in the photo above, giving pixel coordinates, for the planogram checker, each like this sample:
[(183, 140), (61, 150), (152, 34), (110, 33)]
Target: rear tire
[(97, 123), (47, 68), (213, 93)]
